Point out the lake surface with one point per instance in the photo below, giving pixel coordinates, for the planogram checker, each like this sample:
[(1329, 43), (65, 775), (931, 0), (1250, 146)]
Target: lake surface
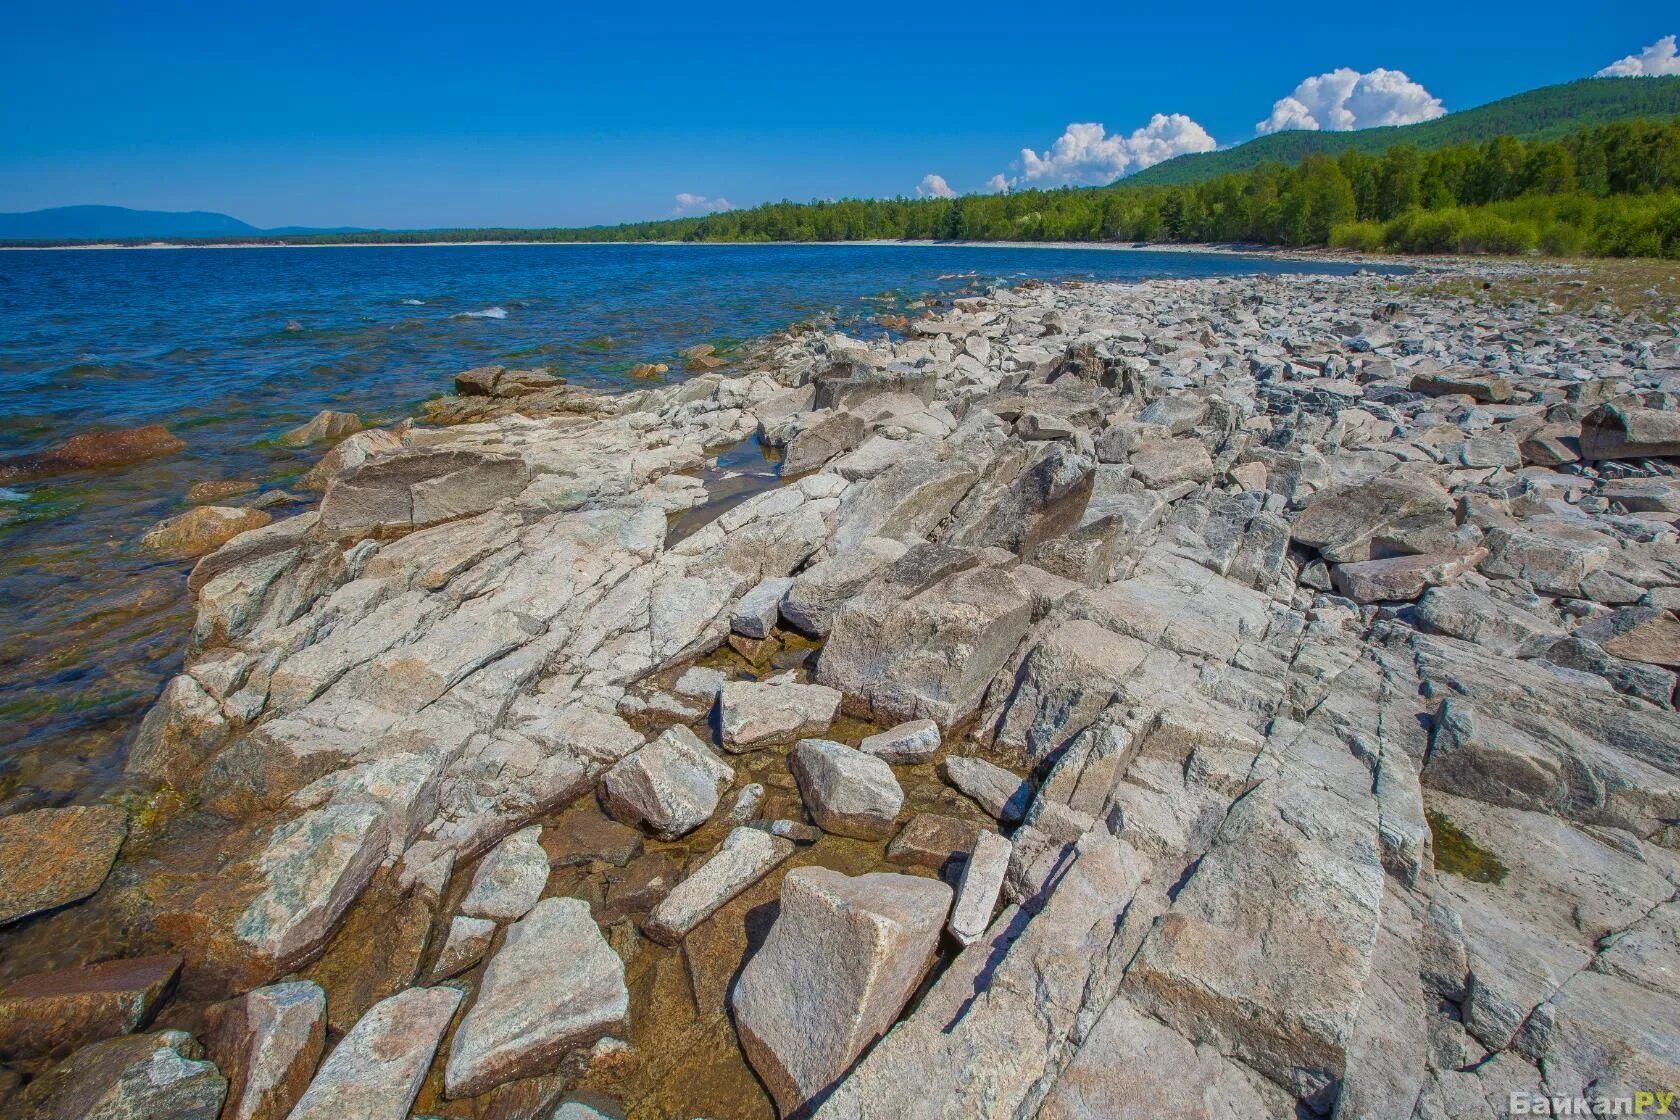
[(230, 347)]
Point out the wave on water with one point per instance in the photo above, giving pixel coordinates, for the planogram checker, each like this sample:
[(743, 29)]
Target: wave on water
[(7, 494), (415, 302), (487, 313)]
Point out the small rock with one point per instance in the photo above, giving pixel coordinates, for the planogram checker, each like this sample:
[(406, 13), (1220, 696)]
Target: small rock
[(211, 489), (671, 786), (649, 371), (849, 793), (267, 1042), (700, 683), (49, 1014), (200, 530), (554, 985), (510, 879), (755, 615), (1482, 387), (993, 788), (53, 857), (463, 947), (904, 745), (753, 715), (744, 804), (744, 857), (838, 966), (142, 1077), (797, 831), (979, 887), (376, 1071), (325, 425), (1402, 578)]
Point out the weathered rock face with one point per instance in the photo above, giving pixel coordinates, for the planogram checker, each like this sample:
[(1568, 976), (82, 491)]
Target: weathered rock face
[(267, 1044), (52, 1013), (848, 792), (995, 789), (554, 985), (671, 786), (839, 964), (464, 946), (1623, 431), (979, 887), (93, 451), (413, 489), (134, 1078), (376, 1070), (55, 856)]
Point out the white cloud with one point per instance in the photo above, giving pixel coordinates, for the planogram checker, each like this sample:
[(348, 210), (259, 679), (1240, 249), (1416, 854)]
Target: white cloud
[(1346, 99), (1654, 61), (934, 186), (690, 204), (1087, 154)]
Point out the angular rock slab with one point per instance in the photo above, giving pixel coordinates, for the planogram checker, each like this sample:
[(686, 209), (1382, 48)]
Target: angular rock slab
[(979, 887), (745, 856), (267, 1042), (376, 1071), (993, 788), (141, 1077), (849, 793), (672, 785), (463, 947), (753, 715), (555, 985), (511, 878), (52, 1013), (53, 857), (838, 966), (904, 745)]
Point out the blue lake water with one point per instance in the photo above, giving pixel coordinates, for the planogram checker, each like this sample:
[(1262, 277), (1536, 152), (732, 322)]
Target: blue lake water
[(198, 340)]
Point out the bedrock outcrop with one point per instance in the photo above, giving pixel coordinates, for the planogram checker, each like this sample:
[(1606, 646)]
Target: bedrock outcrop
[(1304, 644)]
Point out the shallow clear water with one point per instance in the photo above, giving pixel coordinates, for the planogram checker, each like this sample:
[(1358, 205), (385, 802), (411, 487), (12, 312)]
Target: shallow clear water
[(198, 340)]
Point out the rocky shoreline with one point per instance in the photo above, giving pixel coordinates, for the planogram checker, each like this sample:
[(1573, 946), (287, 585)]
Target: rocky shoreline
[(1234, 697)]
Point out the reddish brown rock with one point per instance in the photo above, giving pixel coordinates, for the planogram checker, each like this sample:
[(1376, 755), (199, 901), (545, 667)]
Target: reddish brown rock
[(51, 857), (267, 1044), (936, 842), (92, 451), (200, 530), (51, 1013)]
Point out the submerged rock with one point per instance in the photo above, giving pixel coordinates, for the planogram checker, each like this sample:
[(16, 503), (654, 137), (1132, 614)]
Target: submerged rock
[(53, 857), (200, 530), (52, 1013), (91, 451), (141, 1077)]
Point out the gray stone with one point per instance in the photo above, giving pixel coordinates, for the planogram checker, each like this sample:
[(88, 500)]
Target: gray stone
[(841, 961), (993, 788), (267, 1043), (904, 745), (847, 792), (979, 888), (376, 1070), (744, 857), (555, 985), (464, 945), (671, 786), (753, 715), (510, 879), (755, 615)]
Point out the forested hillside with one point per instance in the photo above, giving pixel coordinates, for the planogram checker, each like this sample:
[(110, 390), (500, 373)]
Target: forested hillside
[(1541, 114)]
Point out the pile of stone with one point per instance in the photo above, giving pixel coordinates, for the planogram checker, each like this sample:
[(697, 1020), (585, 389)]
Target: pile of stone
[(1307, 645)]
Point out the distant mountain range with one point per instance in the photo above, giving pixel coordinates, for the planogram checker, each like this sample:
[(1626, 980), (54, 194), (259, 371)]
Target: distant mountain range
[(1540, 114), (119, 223)]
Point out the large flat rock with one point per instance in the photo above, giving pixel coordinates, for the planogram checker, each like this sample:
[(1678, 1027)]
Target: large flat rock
[(54, 857)]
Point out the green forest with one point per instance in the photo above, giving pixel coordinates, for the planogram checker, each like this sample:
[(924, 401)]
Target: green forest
[(1613, 190)]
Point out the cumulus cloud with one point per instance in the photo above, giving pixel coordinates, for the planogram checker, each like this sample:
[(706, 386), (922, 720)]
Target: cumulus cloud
[(934, 186), (1655, 61), (1087, 154), (1346, 99), (691, 204)]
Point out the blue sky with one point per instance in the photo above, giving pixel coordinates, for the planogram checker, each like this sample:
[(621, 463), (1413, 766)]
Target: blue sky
[(419, 114)]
